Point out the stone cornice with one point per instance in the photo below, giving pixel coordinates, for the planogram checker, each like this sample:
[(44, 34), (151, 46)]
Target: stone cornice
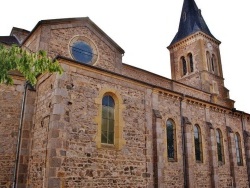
[(190, 39)]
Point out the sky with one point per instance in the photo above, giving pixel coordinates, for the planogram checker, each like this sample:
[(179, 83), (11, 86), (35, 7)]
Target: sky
[(144, 28)]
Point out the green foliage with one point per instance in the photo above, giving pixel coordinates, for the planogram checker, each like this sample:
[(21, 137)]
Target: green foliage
[(30, 65)]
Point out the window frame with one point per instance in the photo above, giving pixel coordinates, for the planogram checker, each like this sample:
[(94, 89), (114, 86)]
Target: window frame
[(220, 149), (184, 70), (108, 120), (208, 57), (173, 140), (238, 149), (119, 141), (191, 62), (198, 151)]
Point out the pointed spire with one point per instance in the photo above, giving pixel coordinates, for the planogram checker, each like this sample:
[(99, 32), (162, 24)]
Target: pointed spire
[(191, 21)]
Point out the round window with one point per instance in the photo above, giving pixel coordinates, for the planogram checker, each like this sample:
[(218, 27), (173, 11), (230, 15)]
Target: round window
[(83, 50)]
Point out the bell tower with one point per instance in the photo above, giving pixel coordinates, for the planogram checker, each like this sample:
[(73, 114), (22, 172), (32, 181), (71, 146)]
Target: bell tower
[(195, 55)]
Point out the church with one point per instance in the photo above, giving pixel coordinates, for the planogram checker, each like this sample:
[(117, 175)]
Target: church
[(104, 123)]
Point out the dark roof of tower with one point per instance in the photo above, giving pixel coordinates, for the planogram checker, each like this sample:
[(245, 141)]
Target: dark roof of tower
[(191, 21), (9, 40)]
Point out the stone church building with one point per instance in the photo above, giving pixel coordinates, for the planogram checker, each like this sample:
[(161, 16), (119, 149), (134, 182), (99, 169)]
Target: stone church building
[(103, 123)]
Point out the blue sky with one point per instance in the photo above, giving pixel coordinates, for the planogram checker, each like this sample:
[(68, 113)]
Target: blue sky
[(144, 28)]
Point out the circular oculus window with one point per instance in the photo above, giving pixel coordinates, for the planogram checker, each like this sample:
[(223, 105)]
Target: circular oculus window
[(82, 49)]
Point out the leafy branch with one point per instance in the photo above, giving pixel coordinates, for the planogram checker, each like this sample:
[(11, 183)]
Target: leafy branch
[(30, 65)]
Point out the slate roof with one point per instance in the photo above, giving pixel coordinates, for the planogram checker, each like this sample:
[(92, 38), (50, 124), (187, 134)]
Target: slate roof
[(9, 40), (191, 21)]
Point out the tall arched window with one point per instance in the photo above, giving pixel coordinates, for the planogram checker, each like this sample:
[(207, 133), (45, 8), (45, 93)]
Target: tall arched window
[(108, 120), (171, 140), (220, 148), (191, 63), (238, 149), (184, 66), (208, 61), (213, 63), (197, 143)]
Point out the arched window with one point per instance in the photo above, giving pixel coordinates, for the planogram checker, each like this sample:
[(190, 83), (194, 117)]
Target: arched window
[(184, 66), (197, 143), (213, 63), (108, 120), (191, 63), (208, 61), (220, 148), (238, 149), (171, 140)]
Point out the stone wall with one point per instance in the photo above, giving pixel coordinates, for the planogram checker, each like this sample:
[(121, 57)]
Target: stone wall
[(33, 44), (10, 110), (240, 171), (209, 172), (55, 40), (84, 165), (156, 80), (25, 140), (59, 45), (145, 76), (173, 173), (64, 150), (39, 136), (74, 160)]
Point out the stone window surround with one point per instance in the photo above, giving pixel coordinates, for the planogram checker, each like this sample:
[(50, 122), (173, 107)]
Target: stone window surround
[(219, 137), (200, 144), (88, 41), (212, 63), (119, 141), (238, 149), (175, 145), (188, 60)]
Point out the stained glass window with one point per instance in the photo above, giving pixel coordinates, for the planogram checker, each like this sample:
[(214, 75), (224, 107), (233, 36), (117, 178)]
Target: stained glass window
[(184, 66), (82, 52), (238, 149), (171, 140), (197, 143), (191, 63), (108, 121), (220, 149)]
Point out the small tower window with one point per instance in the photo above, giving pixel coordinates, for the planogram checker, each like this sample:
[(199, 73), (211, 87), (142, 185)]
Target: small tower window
[(191, 64), (208, 61), (184, 66), (215, 65), (198, 143), (212, 62)]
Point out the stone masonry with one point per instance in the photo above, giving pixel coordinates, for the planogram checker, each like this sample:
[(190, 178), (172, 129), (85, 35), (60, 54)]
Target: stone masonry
[(51, 134)]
